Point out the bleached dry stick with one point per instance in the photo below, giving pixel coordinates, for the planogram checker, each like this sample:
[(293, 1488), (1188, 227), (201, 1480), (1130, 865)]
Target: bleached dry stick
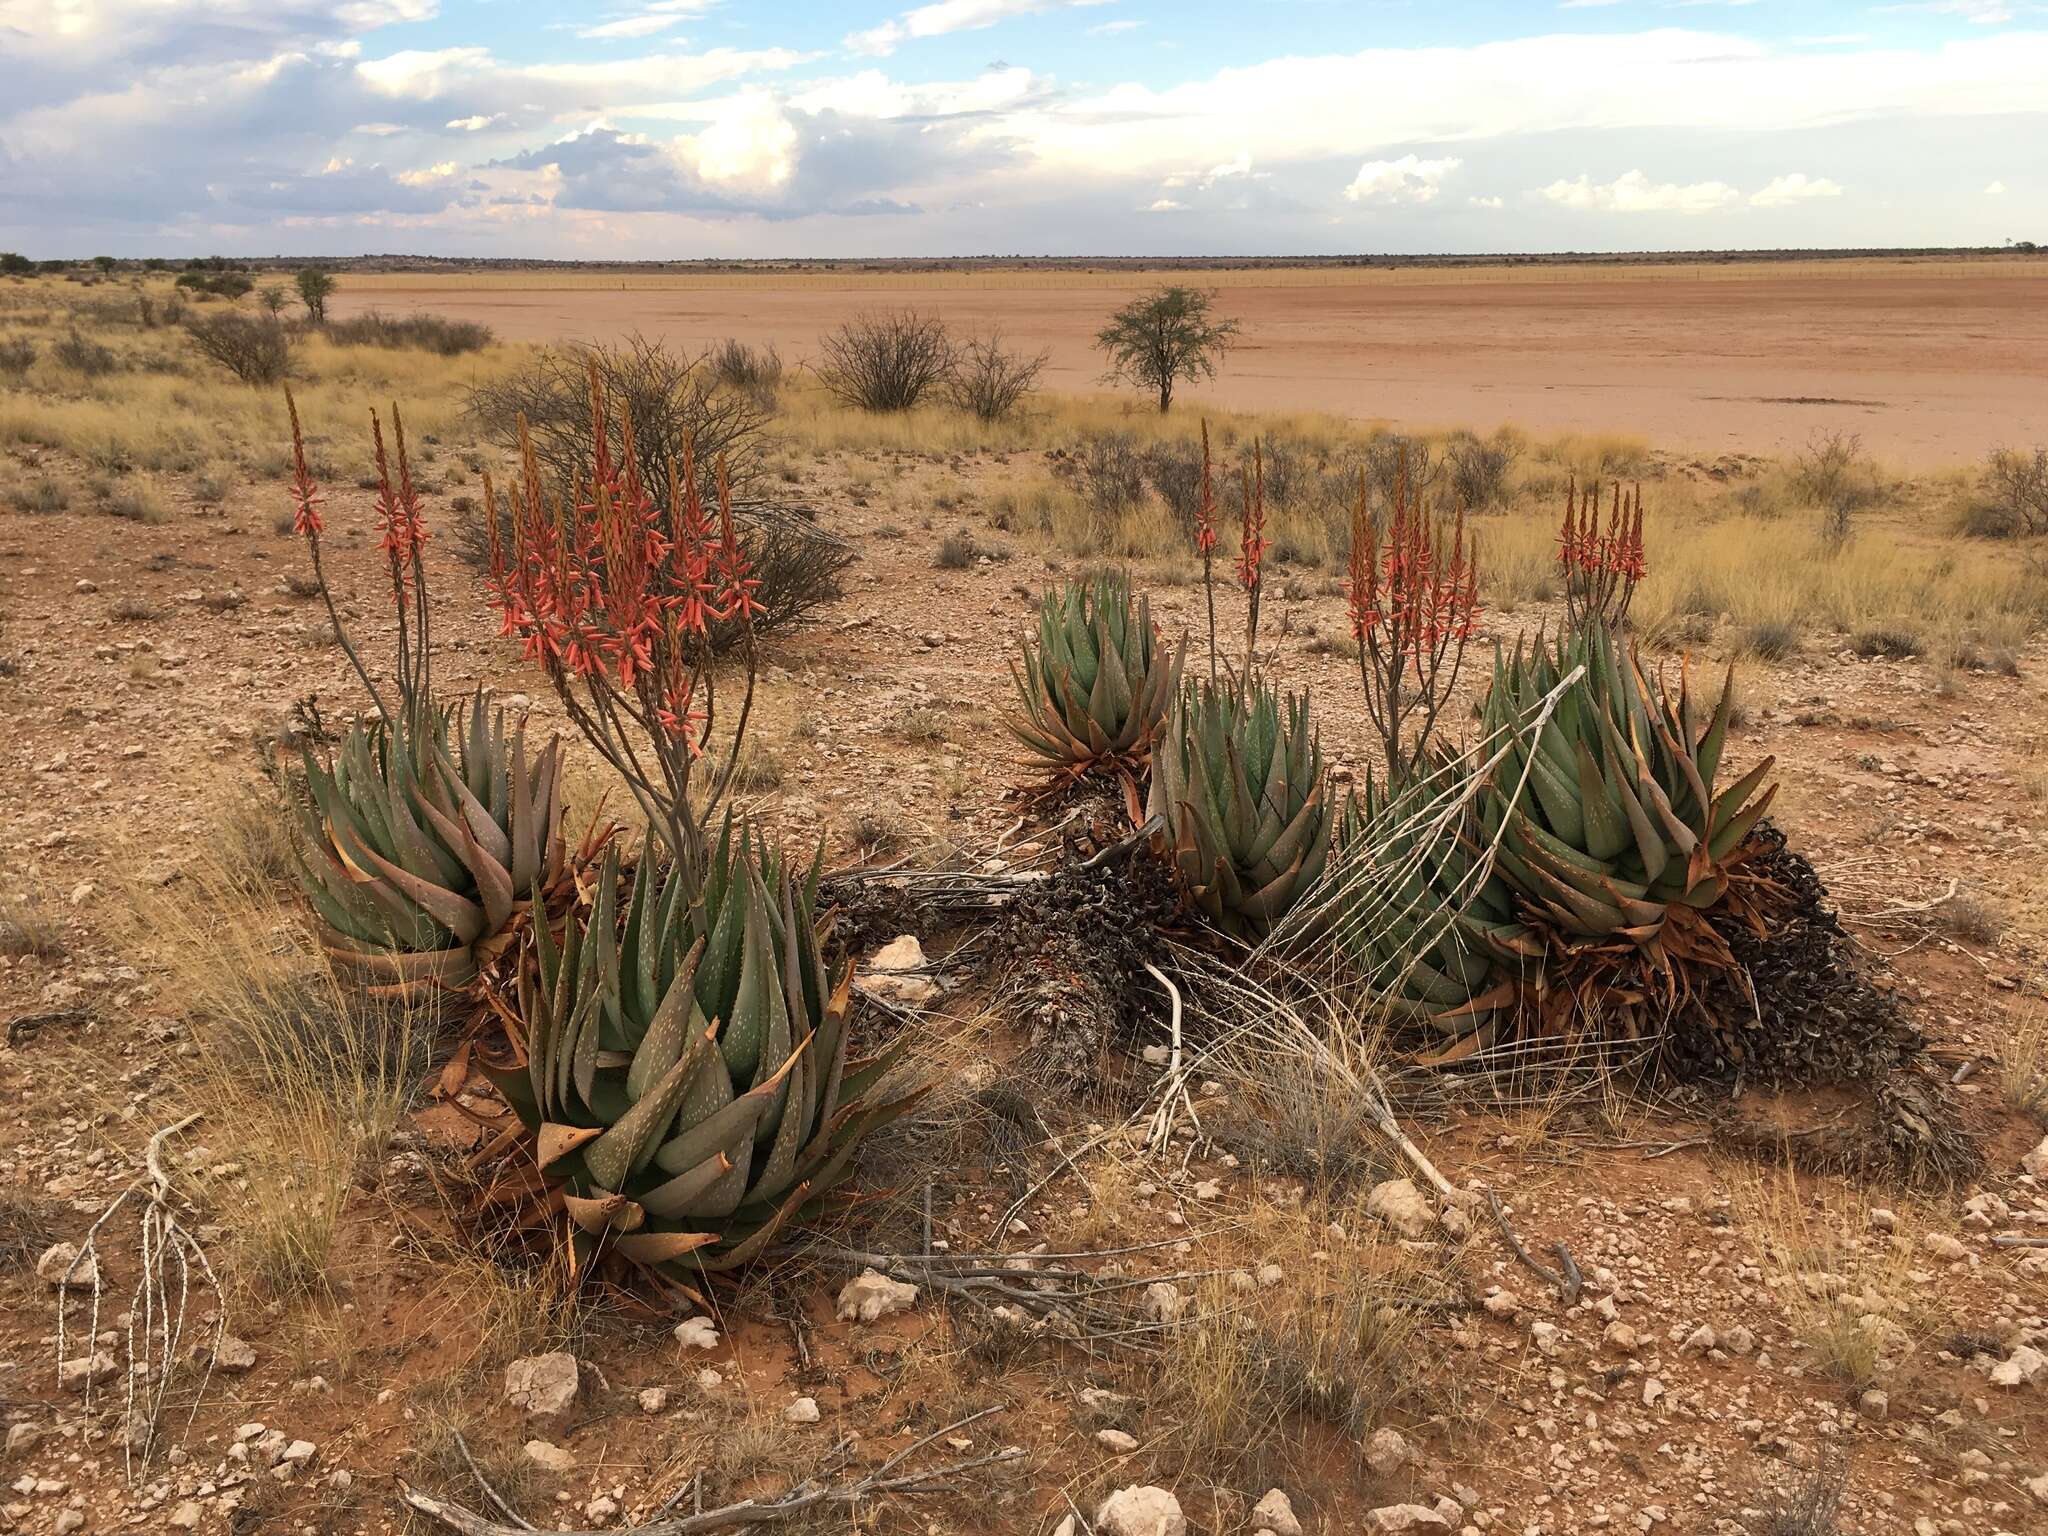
[(163, 1241), (1176, 1085)]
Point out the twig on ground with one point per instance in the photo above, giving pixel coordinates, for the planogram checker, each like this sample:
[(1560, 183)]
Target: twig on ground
[(1574, 1282), (497, 1500), (802, 1497), (1500, 1217), (153, 1316)]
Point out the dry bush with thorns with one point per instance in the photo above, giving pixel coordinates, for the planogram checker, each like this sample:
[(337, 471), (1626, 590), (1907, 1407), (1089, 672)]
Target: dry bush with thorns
[(256, 351), (888, 360), (990, 379), (675, 403)]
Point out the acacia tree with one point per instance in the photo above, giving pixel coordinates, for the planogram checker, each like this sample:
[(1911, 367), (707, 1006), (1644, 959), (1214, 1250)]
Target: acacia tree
[(315, 286), (1165, 336)]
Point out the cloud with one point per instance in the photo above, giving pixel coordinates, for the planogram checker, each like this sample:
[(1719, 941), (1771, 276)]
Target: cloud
[(1982, 13), (1995, 189), (1633, 192), (943, 16), (644, 25), (1485, 202), (1797, 187), (1112, 28), (1166, 205), (1406, 180)]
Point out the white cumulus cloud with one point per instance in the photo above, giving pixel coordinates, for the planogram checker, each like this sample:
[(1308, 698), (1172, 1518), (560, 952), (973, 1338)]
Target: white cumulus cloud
[(1409, 179), (1634, 192), (1995, 189), (1797, 187)]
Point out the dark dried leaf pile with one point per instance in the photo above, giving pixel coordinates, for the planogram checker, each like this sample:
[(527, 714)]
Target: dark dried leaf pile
[(1797, 1008), (1072, 952)]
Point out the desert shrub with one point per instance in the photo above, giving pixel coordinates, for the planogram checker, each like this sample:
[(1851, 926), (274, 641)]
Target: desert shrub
[(82, 354), (800, 566), (1286, 466), (956, 551), (2013, 500), (17, 356), (670, 397), (134, 501), (1389, 455), (1173, 468), (887, 360), (426, 333), (1771, 639), (738, 365), (1109, 470), (258, 352), (42, 495), (990, 379), (1479, 469), (220, 285), (1893, 642), (1832, 474)]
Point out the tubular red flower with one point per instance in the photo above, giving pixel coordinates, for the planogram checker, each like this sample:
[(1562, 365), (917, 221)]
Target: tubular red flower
[(306, 498)]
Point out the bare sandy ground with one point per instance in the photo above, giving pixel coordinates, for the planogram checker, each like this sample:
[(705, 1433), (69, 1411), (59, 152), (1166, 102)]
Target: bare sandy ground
[(1933, 363)]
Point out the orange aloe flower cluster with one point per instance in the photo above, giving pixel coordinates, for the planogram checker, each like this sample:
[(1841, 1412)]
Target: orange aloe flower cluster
[(613, 596), (400, 533), (1601, 569), (1414, 606)]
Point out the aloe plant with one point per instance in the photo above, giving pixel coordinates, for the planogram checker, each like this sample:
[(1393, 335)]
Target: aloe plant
[(1238, 791), (1096, 683), (1611, 818), (425, 839), (685, 1079)]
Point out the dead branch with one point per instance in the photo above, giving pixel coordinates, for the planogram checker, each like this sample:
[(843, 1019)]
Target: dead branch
[(1175, 1091), (802, 1497), (1500, 1216), (153, 1316)]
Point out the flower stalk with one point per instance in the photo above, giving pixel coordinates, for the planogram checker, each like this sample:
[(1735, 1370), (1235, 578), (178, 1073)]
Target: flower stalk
[(613, 595), (1414, 606)]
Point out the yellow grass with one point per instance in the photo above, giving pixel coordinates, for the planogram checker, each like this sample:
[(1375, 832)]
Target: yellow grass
[(300, 1079), (1849, 1293)]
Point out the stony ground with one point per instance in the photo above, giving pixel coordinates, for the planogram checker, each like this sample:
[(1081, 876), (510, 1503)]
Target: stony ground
[(1744, 1338)]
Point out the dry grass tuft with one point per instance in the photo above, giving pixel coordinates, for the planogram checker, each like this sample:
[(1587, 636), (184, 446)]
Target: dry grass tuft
[(306, 1075), (1812, 1506), (2025, 1064), (27, 1227), (1335, 1343), (26, 931), (1850, 1294), (1972, 919)]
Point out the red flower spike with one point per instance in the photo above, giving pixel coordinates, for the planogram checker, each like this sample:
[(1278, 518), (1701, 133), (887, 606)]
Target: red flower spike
[(306, 497)]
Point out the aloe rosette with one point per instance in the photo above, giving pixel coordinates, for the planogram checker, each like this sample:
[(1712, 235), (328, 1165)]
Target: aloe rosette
[(1097, 681), (425, 840), (685, 1075), (1239, 795)]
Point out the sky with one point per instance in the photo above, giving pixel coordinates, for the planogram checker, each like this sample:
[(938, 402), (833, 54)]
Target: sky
[(676, 129)]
